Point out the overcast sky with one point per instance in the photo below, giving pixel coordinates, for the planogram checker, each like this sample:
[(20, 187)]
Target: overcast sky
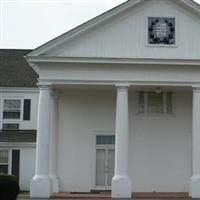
[(30, 23)]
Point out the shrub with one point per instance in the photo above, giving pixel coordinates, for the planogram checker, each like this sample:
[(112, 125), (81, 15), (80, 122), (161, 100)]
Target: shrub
[(9, 187)]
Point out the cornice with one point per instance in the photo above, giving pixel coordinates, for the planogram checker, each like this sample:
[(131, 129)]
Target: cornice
[(19, 89), (95, 60), (17, 144)]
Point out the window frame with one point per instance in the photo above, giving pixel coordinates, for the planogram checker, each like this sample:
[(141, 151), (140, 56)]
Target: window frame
[(146, 32), (152, 24), (112, 137), (12, 120), (17, 110), (9, 159), (164, 104)]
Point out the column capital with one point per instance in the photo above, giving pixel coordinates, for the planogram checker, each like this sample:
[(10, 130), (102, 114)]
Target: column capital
[(46, 86), (196, 88), (123, 86)]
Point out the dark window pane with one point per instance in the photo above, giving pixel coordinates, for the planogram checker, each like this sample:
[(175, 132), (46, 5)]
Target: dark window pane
[(4, 169), (10, 126), (11, 115), (27, 109), (105, 139), (109, 140)]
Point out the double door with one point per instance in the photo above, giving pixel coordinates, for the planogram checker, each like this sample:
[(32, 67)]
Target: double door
[(105, 160)]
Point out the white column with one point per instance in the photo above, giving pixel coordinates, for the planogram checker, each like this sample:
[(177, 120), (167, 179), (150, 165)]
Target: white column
[(41, 183), (121, 183), (195, 179), (54, 141)]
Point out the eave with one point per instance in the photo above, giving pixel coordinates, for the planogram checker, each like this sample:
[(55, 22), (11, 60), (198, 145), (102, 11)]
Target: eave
[(95, 60)]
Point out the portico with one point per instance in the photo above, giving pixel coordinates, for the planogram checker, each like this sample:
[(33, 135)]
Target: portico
[(122, 182)]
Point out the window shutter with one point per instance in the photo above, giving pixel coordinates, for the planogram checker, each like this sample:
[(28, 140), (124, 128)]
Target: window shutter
[(27, 109), (141, 102), (15, 162), (169, 103)]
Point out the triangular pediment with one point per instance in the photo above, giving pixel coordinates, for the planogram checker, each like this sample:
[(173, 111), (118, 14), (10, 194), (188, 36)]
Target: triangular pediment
[(123, 33)]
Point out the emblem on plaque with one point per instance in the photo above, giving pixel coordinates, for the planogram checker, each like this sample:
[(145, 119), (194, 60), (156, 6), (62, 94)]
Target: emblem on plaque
[(161, 30)]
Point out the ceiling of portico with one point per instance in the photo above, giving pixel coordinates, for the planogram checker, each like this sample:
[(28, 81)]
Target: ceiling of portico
[(131, 88)]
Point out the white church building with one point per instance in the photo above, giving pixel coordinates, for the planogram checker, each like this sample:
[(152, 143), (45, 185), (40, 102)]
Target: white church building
[(119, 103)]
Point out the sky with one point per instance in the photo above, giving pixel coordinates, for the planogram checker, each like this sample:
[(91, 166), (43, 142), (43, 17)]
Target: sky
[(27, 24)]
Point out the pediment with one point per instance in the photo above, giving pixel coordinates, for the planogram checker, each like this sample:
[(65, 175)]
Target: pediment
[(123, 33)]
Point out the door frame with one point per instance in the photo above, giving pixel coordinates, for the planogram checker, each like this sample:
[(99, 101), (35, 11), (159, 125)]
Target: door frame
[(95, 147)]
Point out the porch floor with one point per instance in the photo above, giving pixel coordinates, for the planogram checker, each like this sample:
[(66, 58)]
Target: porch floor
[(107, 195)]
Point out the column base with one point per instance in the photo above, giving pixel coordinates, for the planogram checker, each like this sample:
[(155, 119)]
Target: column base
[(40, 187), (54, 184), (121, 187), (195, 187)]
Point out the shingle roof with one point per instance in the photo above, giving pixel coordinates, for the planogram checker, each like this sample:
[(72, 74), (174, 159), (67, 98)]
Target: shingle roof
[(15, 70), (28, 136)]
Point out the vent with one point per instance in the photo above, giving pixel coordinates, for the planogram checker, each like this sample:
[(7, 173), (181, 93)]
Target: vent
[(10, 126)]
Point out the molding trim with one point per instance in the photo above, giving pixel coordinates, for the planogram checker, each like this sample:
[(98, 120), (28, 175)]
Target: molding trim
[(12, 89), (114, 83), (95, 60), (17, 144)]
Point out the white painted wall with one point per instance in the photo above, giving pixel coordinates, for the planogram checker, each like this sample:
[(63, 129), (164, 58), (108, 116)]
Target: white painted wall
[(125, 36), (21, 93), (27, 167), (114, 73), (160, 146), (27, 154)]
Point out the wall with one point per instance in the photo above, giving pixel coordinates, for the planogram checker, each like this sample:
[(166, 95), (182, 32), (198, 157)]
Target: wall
[(21, 93), (160, 146), (125, 36), (27, 167), (112, 74)]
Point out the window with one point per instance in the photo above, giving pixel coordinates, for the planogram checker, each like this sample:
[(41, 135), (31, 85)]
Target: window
[(161, 30), (11, 109), (155, 103), (10, 126), (4, 161), (105, 139)]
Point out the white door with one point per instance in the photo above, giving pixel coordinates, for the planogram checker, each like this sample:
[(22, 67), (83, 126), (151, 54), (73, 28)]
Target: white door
[(110, 168), (105, 159)]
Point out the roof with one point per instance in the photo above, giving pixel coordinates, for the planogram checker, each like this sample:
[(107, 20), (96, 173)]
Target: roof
[(15, 70), (25, 136), (41, 50)]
